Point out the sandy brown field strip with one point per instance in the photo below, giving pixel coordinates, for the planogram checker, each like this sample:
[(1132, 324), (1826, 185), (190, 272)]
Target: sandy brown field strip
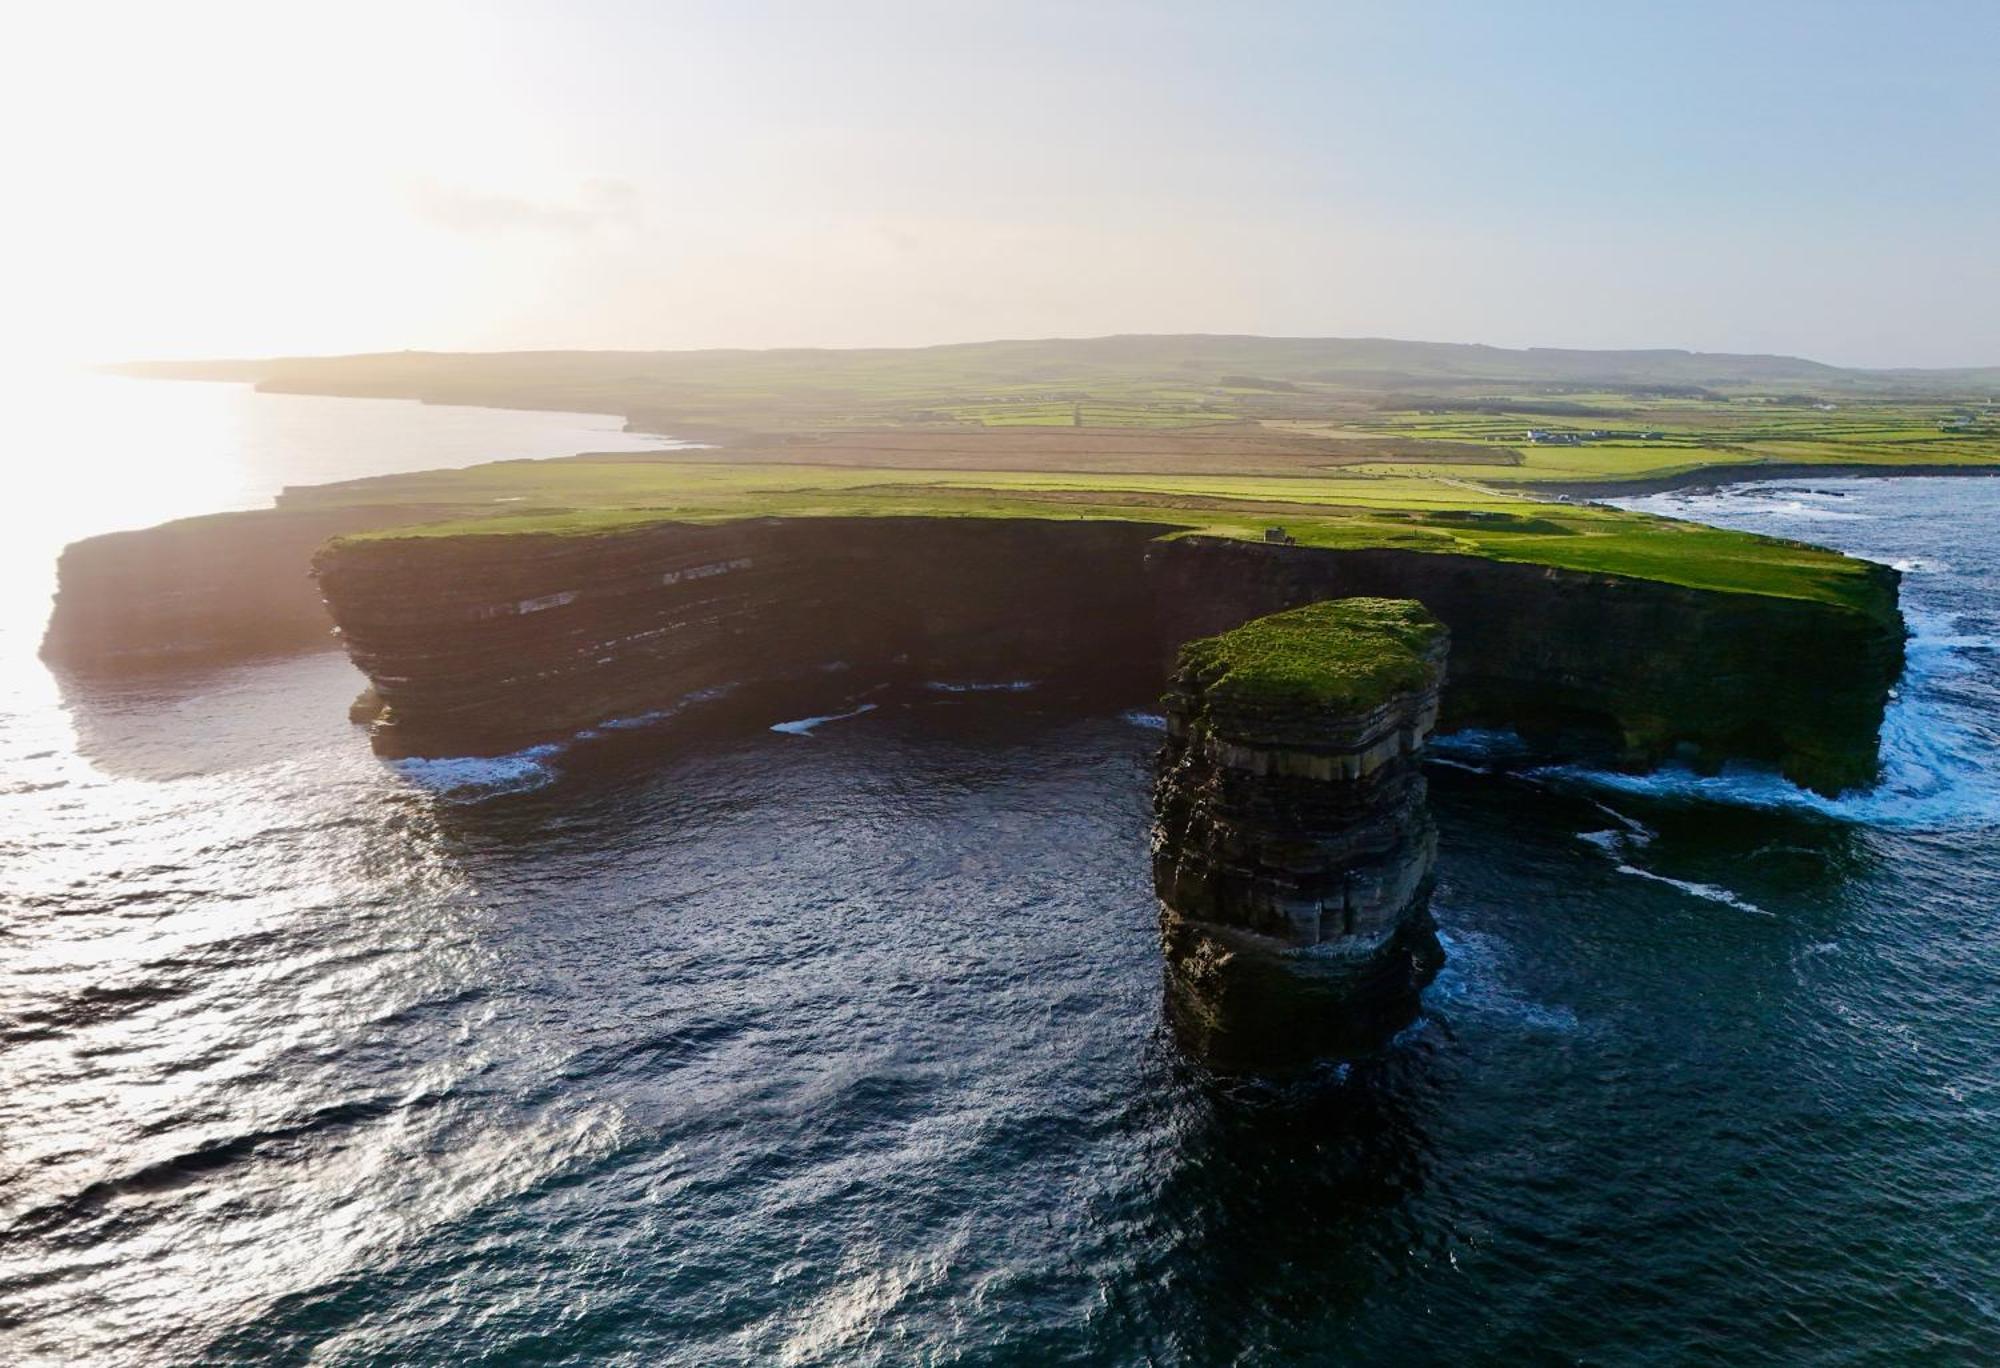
[(1231, 449)]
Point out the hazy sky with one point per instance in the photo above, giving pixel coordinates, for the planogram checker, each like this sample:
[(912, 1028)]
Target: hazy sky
[(198, 179)]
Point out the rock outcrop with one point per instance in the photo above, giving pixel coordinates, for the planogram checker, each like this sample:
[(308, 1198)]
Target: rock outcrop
[(1293, 847), (1605, 669), (199, 591)]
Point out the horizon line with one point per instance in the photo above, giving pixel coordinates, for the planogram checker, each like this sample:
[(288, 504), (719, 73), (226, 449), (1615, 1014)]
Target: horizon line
[(115, 364)]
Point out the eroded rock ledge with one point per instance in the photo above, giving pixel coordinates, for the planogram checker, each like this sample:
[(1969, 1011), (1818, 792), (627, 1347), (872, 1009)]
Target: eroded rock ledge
[(1293, 845)]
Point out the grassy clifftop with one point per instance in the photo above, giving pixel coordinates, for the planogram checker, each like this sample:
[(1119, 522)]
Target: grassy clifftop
[(1345, 509), (1340, 657), (1347, 443)]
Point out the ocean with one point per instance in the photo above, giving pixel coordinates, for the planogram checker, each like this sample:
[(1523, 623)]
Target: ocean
[(843, 1043)]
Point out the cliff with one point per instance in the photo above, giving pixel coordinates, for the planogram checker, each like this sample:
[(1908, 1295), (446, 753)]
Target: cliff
[(486, 643), (491, 639), (1610, 668), (1293, 846), (198, 591)]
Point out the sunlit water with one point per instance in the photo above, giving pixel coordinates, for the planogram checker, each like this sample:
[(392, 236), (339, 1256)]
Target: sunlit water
[(844, 1044)]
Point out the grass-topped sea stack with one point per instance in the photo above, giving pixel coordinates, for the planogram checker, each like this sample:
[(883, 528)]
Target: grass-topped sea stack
[(1294, 845)]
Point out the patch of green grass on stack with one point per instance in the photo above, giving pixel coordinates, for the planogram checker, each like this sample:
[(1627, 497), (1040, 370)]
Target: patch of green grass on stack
[(1344, 657)]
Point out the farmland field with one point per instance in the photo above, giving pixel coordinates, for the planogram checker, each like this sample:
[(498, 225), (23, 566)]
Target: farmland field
[(1430, 447)]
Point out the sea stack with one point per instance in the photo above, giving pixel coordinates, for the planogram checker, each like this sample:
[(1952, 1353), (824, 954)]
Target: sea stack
[(1293, 845)]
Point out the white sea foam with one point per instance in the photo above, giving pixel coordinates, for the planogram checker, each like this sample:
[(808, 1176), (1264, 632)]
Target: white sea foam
[(1150, 721), (1636, 831), (805, 726), (1699, 890), (995, 686), (1471, 747), (1449, 763), (1473, 980), (1619, 843), (1792, 508), (1787, 504), (658, 715), (474, 778), (645, 719), (1937, 772), (1933, 777)]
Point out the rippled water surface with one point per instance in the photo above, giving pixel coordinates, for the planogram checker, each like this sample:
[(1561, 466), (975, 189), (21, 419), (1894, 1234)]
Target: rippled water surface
[(845, 1045)]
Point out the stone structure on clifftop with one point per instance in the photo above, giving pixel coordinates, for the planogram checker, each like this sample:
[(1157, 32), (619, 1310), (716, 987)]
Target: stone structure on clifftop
[(1293, 847)]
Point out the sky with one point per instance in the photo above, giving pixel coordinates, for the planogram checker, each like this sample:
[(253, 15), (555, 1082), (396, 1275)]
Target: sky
[(208, 179)]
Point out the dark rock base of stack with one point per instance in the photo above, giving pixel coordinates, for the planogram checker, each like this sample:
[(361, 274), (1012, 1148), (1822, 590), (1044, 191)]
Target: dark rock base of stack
[(1294, 846)]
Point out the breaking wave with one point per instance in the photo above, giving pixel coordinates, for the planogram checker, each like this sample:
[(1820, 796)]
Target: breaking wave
[(1938, 755), (653, 718), (474, 778), (1477, 748), (1938, 762), (1474, 979), (1712, 892), (805, 726)]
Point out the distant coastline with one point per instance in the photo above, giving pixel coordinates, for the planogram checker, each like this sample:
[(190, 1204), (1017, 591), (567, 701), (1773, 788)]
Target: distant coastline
[(1715, 476)]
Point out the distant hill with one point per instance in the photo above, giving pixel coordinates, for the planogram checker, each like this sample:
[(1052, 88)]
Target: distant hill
[(1179, 378)]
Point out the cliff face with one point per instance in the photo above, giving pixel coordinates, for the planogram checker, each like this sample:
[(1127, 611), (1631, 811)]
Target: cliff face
[(1293, 846), (486, 644), (494, 642), (202, 590), (1620, 671), (489, 643)]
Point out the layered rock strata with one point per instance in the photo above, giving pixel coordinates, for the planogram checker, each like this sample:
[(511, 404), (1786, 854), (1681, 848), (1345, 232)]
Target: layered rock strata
[(1293, 844), (492, 642), (485, 644), (1600, 668)]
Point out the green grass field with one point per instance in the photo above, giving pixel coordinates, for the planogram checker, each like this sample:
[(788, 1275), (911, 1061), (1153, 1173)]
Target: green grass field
[(1346, 510), (1695, 434), (1345, 443)]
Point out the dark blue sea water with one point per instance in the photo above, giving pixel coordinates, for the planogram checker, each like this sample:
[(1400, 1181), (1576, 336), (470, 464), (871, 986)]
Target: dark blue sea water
[(845, 1045)]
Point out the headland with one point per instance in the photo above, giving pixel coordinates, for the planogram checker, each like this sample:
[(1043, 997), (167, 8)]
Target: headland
[(1063, 509)]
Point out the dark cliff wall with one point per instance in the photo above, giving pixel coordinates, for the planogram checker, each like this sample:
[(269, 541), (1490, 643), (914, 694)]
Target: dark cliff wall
[(1625, 671), (485, 644), (201, 590), (489, 643), (1595, 666), (1292, 855)]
